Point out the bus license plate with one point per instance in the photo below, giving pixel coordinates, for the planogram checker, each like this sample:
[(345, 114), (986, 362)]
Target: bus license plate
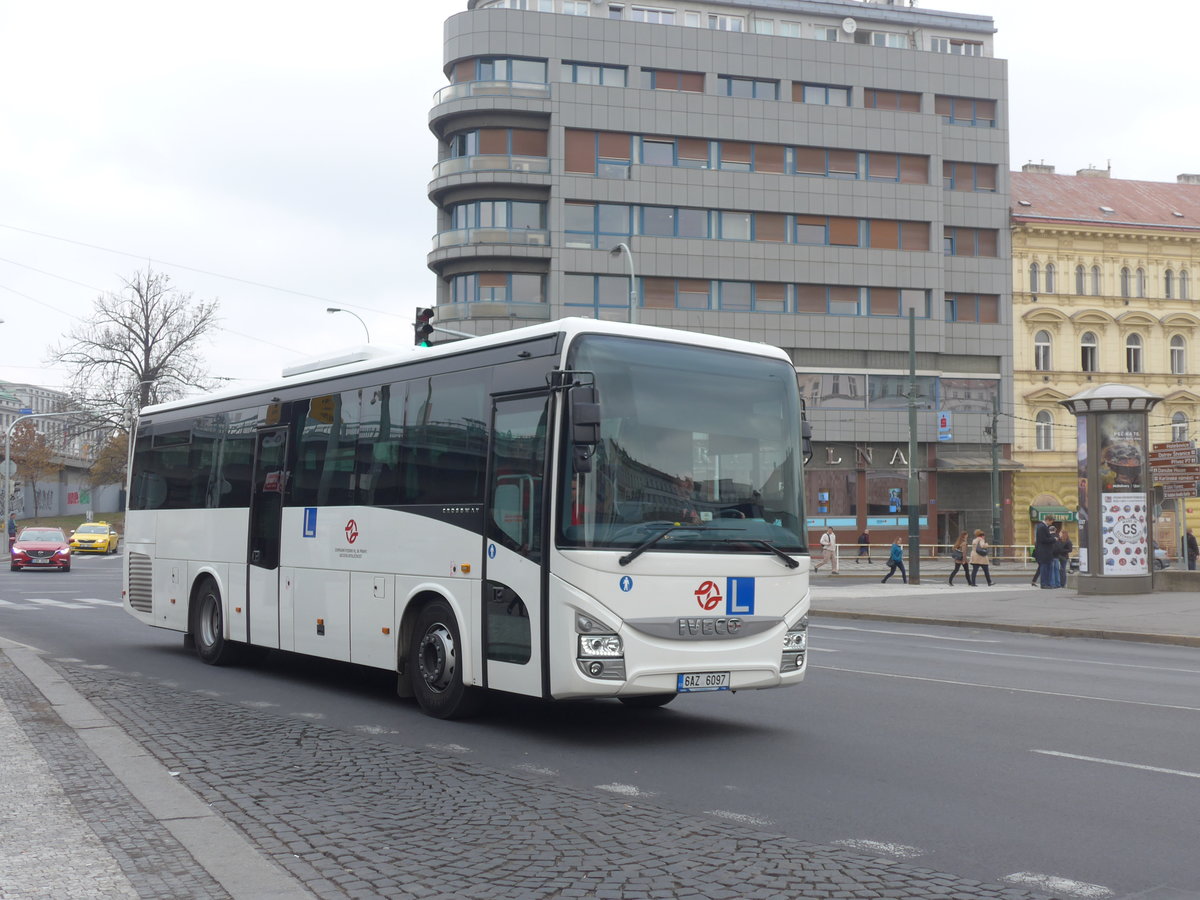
[(703, 681)]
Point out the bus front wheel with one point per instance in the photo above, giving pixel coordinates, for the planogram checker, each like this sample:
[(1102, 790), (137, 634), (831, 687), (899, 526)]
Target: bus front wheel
[(206, 624), (435, 661)]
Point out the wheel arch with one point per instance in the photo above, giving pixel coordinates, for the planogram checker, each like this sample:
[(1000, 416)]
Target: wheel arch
[(421, 597)]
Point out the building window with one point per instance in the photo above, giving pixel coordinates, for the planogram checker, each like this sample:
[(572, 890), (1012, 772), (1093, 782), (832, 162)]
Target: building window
[(747, 88), (764, 26), (821, 94), (652, 14), (498, 287), (1183, 284), (1050, 272), (882, 39), (1179, 427), (1044, 430), (825, 33), (956, 46), (905, 101), (1095, 281), (1080, 280), (591, 73), (1141, 282), (714, 22), (964, 176), (1033, 278), (975, 112), (983, 309), (576, 7), (1168, 284), (616, 10), (1041, 351), (599, 293), (970, 241), (1089, 352), (1133, 354), (493, 68), (1178, 355), (668, 80), (512, 214), (901, 167), (1125, 279)]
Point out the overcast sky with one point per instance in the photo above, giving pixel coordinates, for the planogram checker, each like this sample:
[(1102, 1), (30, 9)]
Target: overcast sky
[(275, 155)]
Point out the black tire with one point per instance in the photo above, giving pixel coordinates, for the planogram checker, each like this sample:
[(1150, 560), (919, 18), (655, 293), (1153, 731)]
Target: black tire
[(66, 568), (434, 662), (206, 624), (647, 701), (13, 568)]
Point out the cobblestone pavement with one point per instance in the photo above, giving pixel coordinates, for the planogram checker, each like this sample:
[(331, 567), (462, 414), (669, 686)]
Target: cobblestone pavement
[(68, 827), (349, 816)]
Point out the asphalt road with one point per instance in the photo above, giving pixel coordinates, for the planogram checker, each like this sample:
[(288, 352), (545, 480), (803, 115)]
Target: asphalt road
[(1068, 765)]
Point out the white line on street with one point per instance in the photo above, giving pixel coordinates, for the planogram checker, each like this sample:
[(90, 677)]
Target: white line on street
[(1057, 885), (932, 637), (741, 818), (57, 604), (1068, 659), (449, 748), (628, 790), (1012, 690), (894, 851), (536, 770), (1117, 762)]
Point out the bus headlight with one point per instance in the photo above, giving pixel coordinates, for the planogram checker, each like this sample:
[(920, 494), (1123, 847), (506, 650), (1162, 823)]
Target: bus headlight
[(601, 653), (603, 645), (795, 645)]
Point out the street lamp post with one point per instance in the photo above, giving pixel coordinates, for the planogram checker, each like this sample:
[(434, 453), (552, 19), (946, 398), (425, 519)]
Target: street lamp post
[(617, 251), (338, 309)]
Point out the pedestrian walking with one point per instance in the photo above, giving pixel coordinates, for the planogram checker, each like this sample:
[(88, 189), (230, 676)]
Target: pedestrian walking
[(979, 559), (864, 546), (1043, 552), (896, 561), (828, 551), (958, 553), (12, 529), (1193, 550)]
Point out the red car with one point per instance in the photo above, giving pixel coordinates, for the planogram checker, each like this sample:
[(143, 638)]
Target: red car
[(41, 548)]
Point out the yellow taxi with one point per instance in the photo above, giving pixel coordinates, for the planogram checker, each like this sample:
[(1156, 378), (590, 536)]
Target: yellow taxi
[(95, 537)]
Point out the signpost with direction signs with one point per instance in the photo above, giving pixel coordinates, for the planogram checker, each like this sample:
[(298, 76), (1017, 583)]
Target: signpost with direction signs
[(1174, 465)]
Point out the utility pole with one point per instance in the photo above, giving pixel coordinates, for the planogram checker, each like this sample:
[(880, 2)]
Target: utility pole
[(996, 536), (914, 481)]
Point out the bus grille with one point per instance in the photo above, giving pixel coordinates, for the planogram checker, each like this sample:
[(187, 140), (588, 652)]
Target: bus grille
[(141, 594)]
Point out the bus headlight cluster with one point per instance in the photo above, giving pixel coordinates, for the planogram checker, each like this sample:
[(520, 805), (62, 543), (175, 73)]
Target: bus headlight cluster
[(795, 644), (601, 653)]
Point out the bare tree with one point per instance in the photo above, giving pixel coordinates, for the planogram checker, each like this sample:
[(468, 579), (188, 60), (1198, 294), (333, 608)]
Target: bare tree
[(109, 467), (141, 342)]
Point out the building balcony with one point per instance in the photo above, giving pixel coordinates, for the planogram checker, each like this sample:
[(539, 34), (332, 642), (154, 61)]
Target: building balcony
[(460, 237), (463, 89), (491, 163), (493, 309)]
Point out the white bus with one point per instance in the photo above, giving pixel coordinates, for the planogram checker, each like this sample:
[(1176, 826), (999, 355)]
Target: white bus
[(571, 510)]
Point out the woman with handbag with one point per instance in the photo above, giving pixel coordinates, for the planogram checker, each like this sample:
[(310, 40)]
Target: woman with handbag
[(958, 553), (979, 559)]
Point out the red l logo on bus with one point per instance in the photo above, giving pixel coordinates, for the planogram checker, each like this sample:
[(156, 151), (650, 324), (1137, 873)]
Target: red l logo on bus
[(352, 531)]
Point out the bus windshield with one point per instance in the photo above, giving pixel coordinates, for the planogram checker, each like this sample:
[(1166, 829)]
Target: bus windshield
[(700, 441)]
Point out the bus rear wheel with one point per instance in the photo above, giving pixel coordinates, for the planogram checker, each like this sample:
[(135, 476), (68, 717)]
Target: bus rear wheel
[(647, 701), (435, 661), (206, 625)]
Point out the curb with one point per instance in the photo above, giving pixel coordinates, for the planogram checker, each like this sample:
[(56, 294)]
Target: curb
[(1180, 640), (217, 846)]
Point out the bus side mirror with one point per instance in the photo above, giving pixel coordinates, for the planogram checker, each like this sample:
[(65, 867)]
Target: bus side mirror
[(806, 440), (585, 426)]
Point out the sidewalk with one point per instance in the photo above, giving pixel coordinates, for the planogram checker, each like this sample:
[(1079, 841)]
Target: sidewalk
[(1012, 604)]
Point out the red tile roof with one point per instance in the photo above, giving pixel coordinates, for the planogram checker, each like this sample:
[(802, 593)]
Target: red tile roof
[(1082, 198)]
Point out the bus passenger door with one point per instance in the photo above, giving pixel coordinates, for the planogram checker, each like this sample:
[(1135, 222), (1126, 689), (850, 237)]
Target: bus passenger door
[(266, 519), (514, 610)]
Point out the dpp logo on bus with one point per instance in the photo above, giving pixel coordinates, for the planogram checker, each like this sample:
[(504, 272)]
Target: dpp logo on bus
[(738, 596)]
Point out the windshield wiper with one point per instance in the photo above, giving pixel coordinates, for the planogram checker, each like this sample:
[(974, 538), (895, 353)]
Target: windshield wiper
[(791, 563), (650, 542)]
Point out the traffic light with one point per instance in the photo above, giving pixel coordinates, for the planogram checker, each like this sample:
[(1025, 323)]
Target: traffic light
[(423, 327)]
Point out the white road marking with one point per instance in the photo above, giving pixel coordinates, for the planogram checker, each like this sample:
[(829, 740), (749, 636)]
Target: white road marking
[(823, 650), (1056, 885), (1117, 762), (1012, 690), (741, 818), (311, 715), (1067, 659), (374, 729), (627, 790), (258, 704), (932, 637), (893, 851), (8, 603), (536, 770), (57, 604), (449, 748)]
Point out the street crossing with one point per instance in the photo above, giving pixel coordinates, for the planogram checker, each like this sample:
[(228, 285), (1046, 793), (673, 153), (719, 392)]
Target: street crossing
[(35, 603)]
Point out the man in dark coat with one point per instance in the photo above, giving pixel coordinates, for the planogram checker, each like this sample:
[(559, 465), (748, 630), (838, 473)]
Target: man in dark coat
[(1193, 550), (1043, 551)]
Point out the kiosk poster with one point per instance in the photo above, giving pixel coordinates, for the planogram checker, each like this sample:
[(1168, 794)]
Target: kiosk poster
[(1123, 533), (1121, 461), (1082, 513)]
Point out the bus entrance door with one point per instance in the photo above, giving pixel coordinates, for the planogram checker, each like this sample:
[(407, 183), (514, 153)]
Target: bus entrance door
[(266, 520), (513, 608)]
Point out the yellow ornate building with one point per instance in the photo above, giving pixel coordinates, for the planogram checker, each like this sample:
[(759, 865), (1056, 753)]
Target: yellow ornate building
[(1104, 290)]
